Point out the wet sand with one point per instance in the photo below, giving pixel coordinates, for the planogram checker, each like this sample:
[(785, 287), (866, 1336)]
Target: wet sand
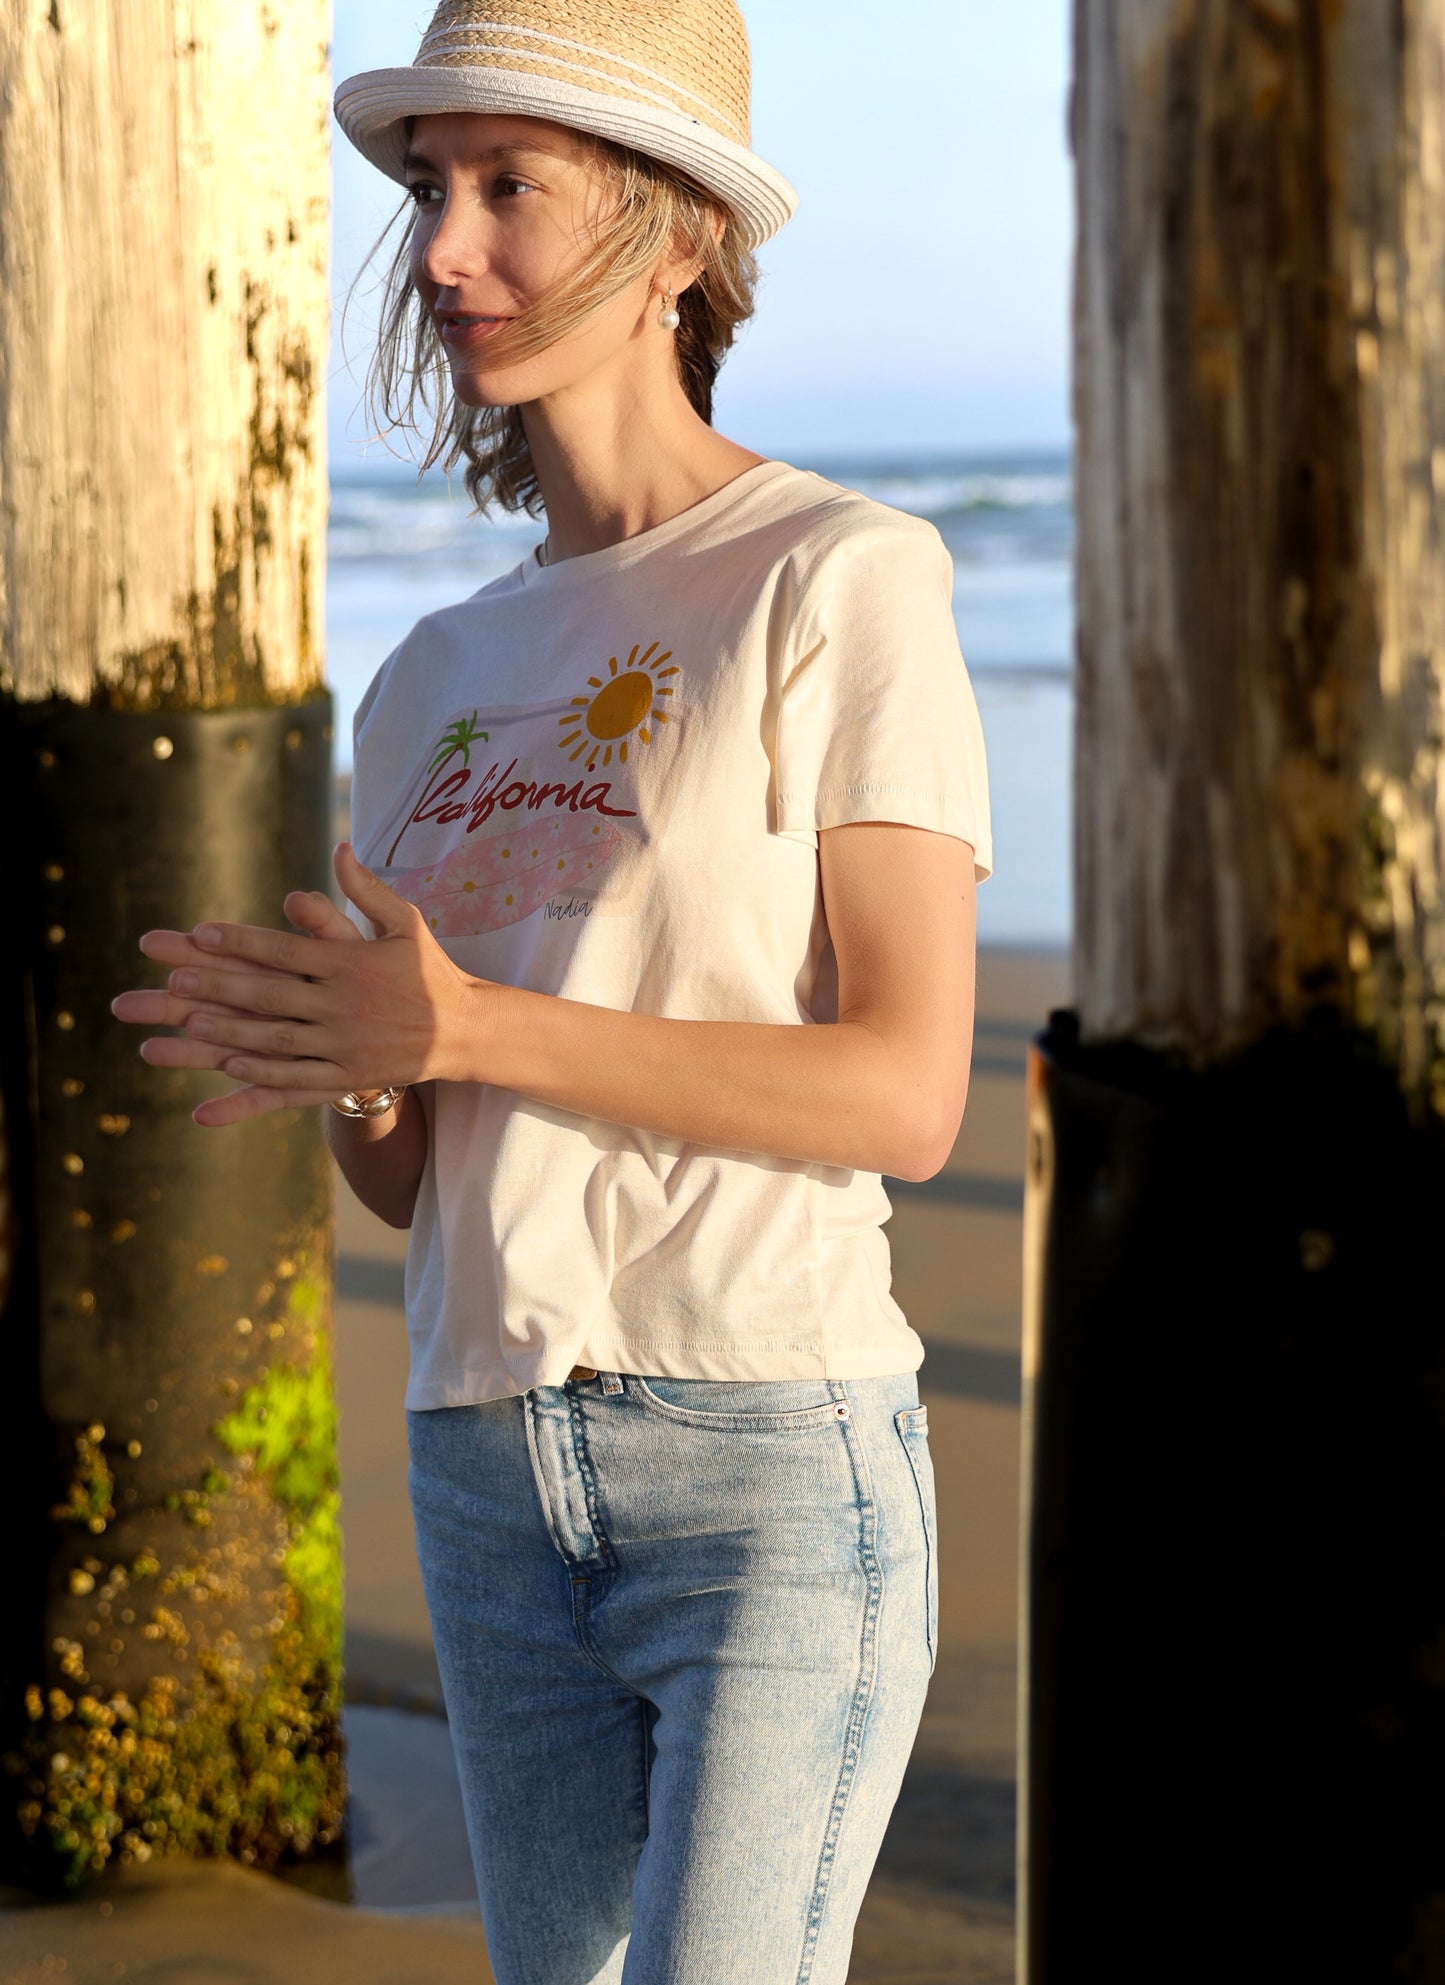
[(940, 1908)]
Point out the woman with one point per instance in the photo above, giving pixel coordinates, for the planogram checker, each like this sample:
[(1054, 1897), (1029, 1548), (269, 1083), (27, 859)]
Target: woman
[(675, 833)]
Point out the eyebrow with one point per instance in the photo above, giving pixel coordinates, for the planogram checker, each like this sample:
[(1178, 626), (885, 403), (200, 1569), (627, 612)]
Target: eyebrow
[(493, 155)]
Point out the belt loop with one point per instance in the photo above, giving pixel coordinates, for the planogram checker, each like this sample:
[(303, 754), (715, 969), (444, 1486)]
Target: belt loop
[(612, 1385)]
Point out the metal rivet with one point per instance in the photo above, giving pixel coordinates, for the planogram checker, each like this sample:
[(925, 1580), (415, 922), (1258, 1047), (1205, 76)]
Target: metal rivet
[(162, 747), (1316, 1250), (843, 1410)]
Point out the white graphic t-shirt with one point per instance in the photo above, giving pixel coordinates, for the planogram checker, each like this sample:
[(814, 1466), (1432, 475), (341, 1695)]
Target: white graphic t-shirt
[(605, 779)]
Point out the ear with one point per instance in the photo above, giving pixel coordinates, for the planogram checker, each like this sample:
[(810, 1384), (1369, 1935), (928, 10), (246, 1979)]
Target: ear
[(686, 258)]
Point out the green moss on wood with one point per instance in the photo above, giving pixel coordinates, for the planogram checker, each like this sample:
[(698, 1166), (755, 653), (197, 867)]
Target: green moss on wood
[(90, 1493), (235, 1747), (286, 1424)]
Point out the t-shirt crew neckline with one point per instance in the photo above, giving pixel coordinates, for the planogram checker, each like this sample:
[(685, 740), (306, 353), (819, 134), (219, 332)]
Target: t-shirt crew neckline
[(587, 563)]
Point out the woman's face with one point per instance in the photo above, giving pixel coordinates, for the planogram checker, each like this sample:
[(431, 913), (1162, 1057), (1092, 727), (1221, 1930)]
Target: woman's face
[(505, 206)]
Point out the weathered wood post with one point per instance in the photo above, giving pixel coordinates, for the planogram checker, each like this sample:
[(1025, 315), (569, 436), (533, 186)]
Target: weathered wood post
[(169, 1667), (1234, 1722)]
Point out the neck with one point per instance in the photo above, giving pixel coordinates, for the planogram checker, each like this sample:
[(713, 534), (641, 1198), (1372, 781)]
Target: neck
[(612, 464)]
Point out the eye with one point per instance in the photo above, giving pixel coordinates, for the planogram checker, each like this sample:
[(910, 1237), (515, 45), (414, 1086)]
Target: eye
[(419, 192), (509, 186)]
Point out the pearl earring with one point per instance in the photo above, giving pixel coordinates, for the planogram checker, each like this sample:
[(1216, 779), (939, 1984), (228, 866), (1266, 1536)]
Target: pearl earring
[(667, 317)]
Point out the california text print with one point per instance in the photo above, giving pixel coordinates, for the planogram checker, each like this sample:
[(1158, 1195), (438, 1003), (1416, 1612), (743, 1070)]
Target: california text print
[(515, 807)]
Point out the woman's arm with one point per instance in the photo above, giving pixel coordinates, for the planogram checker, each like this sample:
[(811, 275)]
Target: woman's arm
[(381, 1158), (881, 1090)]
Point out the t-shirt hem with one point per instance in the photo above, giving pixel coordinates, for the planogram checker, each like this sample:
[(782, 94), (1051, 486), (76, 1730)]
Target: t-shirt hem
[(768, 1358)]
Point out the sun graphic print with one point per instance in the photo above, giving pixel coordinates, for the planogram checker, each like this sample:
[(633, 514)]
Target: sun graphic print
[(621, 706)]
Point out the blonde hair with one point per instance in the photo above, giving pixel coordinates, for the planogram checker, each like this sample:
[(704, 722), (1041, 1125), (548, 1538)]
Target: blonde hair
[(655, 211)]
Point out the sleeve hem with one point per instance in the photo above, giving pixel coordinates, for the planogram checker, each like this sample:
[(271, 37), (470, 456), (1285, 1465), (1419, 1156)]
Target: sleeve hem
[(800, 816)]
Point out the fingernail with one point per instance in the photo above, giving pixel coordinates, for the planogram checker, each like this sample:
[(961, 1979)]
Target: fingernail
[(184, 982), (202, 1026), (208, 936)]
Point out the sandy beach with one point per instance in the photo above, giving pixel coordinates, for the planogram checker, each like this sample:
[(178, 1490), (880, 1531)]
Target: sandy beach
[(940, 1909)]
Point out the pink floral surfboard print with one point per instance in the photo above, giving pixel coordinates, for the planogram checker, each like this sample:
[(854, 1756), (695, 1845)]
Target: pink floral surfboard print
[(504, 871)]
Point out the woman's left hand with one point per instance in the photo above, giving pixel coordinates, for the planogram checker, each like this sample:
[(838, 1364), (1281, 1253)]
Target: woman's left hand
[(298, 1019)]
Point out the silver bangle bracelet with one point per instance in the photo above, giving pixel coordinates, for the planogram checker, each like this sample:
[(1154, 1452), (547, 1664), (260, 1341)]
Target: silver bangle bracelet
[(357, 1103)]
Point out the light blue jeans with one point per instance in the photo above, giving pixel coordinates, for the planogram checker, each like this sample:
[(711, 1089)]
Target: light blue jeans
[(685, 1628)]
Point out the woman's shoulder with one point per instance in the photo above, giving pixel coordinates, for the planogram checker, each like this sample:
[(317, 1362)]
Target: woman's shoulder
[(832, 525)]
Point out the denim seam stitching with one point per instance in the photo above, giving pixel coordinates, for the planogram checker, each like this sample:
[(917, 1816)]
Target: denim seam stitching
[(644, 1777), (589, 1589), (862, 1693), (907, 1433), (582, 1454)]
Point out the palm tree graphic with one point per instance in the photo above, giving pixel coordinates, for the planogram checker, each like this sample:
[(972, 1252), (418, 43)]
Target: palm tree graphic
[(459, 736)]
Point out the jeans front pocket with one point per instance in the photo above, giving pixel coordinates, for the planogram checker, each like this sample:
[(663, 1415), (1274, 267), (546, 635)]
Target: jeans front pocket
[(745, 1405), (912, 1425)]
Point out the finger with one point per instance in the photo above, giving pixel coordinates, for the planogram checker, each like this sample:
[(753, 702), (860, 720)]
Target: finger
[(178, 947), (153, 1006), (281, 950), (316, 1080), (288, 1039), (241, 1104), (271, 994), (168, 1051), (391, 916), (319, 915)]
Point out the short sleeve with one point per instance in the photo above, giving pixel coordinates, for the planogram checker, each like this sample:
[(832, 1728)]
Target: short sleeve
[(878, 720)]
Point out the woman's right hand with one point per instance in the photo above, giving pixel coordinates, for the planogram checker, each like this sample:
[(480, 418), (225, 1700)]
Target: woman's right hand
[(309, 910)]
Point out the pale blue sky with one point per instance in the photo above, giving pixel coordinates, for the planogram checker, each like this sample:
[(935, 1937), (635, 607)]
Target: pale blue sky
[(919, 297)]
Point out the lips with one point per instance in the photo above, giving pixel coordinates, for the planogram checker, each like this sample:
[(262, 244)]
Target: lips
[(465, 328)]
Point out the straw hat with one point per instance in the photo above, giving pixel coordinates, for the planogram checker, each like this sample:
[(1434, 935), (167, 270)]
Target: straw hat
[(667, 77)]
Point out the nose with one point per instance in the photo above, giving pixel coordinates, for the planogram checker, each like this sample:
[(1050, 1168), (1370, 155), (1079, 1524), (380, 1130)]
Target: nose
[(451, 249)]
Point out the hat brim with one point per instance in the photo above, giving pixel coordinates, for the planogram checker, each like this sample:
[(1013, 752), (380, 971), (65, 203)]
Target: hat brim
[(372, 107)]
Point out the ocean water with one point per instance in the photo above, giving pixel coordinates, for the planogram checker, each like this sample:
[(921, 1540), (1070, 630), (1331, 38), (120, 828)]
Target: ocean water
[(399, 549)]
